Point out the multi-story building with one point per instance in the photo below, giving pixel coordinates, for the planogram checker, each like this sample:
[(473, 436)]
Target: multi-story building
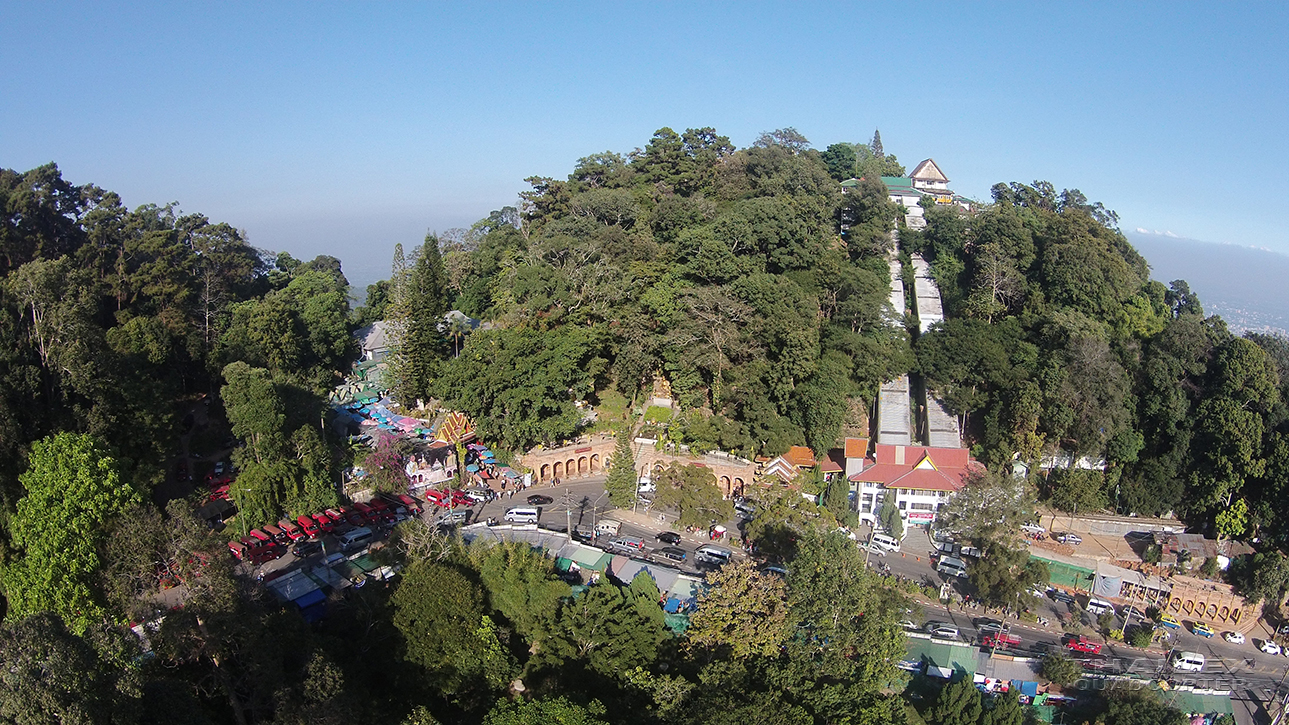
[(919, 479)]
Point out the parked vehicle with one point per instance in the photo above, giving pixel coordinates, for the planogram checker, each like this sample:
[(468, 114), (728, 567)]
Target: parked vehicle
[(292, 531), (1201, 629), (951, 566), (412, 506), (1069, 538), (539, 500), (1062, 596), (277, 533), (479, 496), (631, 543), (1269, 647), (522, 515), (1079, 643), (1099, 606), (943, 630), (460, 499), (1187, 661), (1130, 611), (325, 525), (439, 498), (255, 551), (308, 526), (1170, 621), (366, 514), (356, 539), (381, 510), (672, 553), (1000, 640), (261, 536), (645, 485), (987, 626), (1032, 529), (889, 543), (716, 555), (455, 517), (306, 549), (607, 527), (1234, 637), (668, 537)]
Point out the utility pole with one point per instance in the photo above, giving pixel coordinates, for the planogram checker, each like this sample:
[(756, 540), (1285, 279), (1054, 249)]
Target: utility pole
[(1279, 718)]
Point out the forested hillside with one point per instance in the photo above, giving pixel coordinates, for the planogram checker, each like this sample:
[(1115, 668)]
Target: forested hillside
[(752, 284), (745, 278), (726, 272)]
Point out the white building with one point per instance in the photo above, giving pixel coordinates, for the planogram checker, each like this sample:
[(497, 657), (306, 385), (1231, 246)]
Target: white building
[(920, 478)]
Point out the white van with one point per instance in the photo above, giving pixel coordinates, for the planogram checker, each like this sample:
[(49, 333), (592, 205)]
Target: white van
[(1099, 607), (951, 566), (355, 538), (1187, 661), (607, 527), (714, 554), (889, 543), (522, 515)]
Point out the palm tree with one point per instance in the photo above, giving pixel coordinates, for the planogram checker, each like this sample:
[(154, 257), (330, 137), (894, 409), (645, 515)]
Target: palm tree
[(458, 328)]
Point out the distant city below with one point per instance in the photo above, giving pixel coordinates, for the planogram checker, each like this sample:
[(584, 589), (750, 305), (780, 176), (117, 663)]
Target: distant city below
[(1246, 286)]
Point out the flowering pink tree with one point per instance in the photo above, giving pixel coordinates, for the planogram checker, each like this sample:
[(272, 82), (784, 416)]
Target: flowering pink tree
[(386, 465)]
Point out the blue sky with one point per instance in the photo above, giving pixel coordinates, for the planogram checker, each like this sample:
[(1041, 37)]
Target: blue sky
[(329, 128)]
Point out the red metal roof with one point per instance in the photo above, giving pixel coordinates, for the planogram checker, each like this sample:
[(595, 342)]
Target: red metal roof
[(834, 463), (919, 467), (800, 456), (856, 447)]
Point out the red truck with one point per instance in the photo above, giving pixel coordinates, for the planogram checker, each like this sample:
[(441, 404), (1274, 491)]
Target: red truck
[(442, 499), (324, 523), (412, 506), (254, 550), (277, 533), (1079, 643), (292, 531), (368, 515), (308, 525), (999, 640)]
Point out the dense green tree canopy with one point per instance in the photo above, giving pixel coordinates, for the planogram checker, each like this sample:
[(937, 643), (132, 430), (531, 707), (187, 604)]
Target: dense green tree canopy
[(74, 489)]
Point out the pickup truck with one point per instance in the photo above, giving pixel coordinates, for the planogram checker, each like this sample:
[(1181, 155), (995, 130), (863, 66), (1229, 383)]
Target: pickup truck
[(1000, 640), (1079, 643)]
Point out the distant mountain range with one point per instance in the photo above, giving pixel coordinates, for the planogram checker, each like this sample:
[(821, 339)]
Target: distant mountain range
[(1248, 287)]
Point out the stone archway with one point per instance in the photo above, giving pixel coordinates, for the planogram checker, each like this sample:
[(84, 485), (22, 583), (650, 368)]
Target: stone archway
[(595, 462), (570, 468), (546, 472), (583, 466), (559, 469), (725, 485), (738, 487)]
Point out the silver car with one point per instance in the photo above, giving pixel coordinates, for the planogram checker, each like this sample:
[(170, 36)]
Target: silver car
[(943, 630)]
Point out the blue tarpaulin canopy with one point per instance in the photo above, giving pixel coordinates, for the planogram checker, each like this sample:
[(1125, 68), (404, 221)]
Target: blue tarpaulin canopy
[(310, 599)]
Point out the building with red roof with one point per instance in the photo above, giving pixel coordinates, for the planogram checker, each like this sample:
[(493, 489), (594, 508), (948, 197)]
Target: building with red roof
[(920, 478)]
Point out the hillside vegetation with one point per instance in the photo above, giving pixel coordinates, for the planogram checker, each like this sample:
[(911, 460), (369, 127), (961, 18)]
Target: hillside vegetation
[(745, 278)]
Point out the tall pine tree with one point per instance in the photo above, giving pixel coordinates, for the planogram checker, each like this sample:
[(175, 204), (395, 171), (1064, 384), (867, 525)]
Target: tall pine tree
[(621, 481), (959, 704), (876, 145), (419, 305)]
